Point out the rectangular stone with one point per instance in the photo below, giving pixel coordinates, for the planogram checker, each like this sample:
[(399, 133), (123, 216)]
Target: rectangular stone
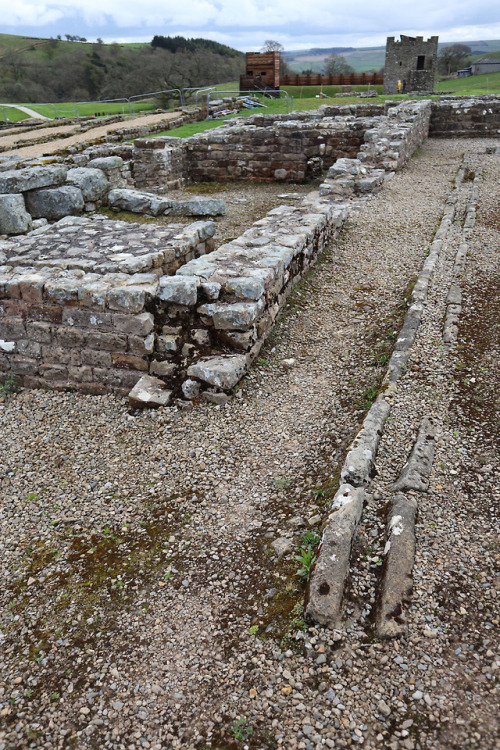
[(129, 361), (140, 345), (12, 329), (126, 299), (60, 356), (69, 337), (53, 372), (61, 291), (22, 366), (41, 332), (137, 325), (11, 307), (48, 313), (117, 377), (112, 342), (83, 318), (80, 374), (31, 286), (96, 358)]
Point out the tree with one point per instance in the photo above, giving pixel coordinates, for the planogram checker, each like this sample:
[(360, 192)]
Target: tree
[(336, 65), (270, 45), (453, 58)]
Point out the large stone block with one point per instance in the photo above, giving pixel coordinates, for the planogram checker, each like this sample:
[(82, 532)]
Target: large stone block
[(14, 219), (223, 372), (54, 203), (31, 178), (92, 182)]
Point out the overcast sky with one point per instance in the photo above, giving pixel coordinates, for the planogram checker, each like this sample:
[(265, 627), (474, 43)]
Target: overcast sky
[(246, 24)]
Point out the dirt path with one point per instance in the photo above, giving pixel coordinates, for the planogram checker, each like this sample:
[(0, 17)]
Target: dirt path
[(73, 135), (150, 595)]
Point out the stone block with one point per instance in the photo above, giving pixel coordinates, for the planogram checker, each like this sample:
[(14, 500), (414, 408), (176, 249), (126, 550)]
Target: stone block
[(47, 313), (112, 342), (31, 286), (55, 203), (137, 202), (129, 361), (128, 299), (31, 178), (12, 329), (92, 182), (149, 392), (61, 291), (181, 290), (96, 358), (137, 325), (106, 163), (142, 344), (162, 369), (223, 372), (69, 337), (100, 321), (14, 219), (41, 332)]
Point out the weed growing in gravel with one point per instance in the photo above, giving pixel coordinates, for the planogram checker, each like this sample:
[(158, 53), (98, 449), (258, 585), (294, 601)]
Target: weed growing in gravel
[(253, 629), (368, 398), (242, 729), (305, 558), (310, 539), (282, 484), (7, 386)]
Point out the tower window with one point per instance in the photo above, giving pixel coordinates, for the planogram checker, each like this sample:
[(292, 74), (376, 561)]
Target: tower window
[(421, 62)]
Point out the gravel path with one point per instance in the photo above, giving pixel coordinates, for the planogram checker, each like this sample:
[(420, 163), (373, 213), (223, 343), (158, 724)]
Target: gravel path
[(70, 135), (150, 596)]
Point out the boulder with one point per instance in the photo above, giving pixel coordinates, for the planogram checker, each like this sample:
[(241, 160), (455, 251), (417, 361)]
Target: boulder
[(106, 163), (54, 203), (149, 392), (14, 219), (92, 182)]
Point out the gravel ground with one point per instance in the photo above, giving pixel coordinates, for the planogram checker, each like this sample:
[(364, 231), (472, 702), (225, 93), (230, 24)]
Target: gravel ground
[(71, 135), (150, 594)]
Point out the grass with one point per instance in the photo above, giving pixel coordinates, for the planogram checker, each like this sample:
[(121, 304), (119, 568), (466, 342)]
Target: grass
[(488, 83)]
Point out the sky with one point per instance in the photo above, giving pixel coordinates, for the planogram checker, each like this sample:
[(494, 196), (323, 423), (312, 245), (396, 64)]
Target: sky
[(246, 24)]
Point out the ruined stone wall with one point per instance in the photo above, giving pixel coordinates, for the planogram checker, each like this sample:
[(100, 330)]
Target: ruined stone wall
[(256, 149), (466, 117)]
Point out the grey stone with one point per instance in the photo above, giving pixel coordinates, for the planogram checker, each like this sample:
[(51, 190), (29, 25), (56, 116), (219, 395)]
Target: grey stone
[(137, 202), (328, 578), (359, 463), (149, 392), (54, 203), (181, 290), (106, 163), (92, 182), (247, 287), (282, 545), (198, 207), (239, 316), (223, 372), (397, 583), (31, 178), (14, 219), (191, 388), (219, 399), (416, 471)]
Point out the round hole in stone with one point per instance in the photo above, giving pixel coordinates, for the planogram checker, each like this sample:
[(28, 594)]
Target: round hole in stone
[(324, 589)]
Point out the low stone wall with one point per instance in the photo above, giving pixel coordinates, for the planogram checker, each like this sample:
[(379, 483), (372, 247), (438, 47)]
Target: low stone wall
[(76, 300), (468, 117), (113, 315), (259, 148)]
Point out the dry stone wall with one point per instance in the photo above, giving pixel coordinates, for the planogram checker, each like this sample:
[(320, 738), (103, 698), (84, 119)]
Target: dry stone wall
[(468, 117), (91, 305)]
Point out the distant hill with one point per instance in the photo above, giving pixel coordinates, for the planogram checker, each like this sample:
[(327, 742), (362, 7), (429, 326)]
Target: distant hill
[(369, 58), (57, 70)]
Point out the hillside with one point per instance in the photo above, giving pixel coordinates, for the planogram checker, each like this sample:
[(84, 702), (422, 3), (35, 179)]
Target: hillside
[(370, 58), (55, 70)]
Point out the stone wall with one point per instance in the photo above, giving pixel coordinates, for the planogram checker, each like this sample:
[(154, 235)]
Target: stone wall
[(116, 321), (260, 148), (467, 117)]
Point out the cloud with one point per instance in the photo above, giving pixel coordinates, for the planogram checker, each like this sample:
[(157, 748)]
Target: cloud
[(247, 23)]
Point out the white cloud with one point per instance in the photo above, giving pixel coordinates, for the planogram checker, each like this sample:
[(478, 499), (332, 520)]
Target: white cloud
[(247, 23)]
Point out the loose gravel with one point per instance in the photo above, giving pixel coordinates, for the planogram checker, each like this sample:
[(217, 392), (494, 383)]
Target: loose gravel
[(150, 596)]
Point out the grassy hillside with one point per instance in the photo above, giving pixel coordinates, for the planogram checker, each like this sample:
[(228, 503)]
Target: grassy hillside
[(373, 58)]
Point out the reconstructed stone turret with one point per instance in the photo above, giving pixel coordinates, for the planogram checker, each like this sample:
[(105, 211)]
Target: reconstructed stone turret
[(411, 61)]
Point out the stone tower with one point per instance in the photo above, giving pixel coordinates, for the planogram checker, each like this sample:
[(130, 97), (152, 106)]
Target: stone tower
[(411, 60)]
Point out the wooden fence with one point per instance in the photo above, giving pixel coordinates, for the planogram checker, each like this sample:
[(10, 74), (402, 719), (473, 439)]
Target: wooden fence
[(361, 79)]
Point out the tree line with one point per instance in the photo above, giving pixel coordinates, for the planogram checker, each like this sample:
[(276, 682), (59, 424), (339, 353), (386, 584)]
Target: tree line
[(57, 73)]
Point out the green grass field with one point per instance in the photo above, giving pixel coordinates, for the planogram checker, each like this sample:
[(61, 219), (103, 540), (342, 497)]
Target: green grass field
[(473, 85)]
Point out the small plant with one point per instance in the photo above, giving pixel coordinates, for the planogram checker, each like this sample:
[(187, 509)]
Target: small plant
[(253, 629), (317, 493), (31, 497), (368, 397), (305, 558), (262, 362), (9, 385), (282, 484), (242, 730), (55, 697), (310, 539)]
